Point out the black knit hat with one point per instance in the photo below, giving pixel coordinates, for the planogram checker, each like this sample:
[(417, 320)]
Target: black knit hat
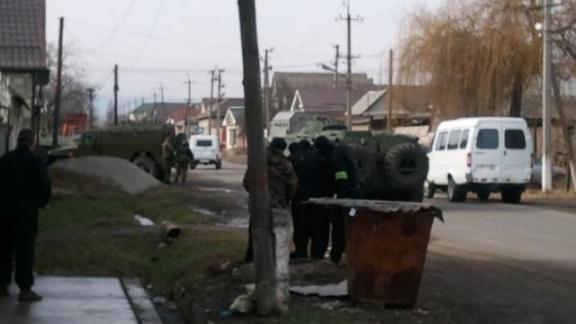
[(278, 143)]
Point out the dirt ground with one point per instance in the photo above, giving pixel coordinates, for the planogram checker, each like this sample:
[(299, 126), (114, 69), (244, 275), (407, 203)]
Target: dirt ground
[(557, 200)]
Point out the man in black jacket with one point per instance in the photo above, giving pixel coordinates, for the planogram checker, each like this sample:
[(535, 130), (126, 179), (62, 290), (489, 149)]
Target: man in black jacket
[(24, 188), (344, 182)]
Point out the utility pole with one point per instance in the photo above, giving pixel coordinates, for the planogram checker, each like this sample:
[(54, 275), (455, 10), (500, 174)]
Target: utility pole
[(547, 159), (154, 110), (336, 64), (162, 102), (116, 88), (211, 105), (58, 99), (391, 93), (261, 223), (218, 110), (91, 108), (349, 58), (188, 103), (267, 68)]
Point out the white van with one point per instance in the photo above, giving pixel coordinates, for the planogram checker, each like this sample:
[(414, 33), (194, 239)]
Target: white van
[(480, 155), (206, 150)]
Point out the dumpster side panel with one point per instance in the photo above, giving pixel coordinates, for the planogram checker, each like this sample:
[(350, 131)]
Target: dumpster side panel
[(386, 254)]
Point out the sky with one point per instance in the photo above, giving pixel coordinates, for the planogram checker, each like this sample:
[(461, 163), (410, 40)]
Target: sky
[(162, 43)]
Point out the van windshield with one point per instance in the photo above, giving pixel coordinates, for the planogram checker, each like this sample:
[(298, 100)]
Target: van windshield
[(487, 139), (204, 143), (514, 139)]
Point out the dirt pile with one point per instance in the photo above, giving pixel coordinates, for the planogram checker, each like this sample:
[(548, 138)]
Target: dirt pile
[(121, 173)]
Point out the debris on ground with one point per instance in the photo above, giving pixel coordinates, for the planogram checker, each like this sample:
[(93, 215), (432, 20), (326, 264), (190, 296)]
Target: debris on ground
[(302, 272), (331, 290), (219, 267), (143, 221), (332, 305), (244, 304), (121, 173), (159, 300), (170, 232)]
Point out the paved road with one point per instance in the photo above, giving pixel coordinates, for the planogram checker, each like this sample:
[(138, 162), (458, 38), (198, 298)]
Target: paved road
[(489, 262)]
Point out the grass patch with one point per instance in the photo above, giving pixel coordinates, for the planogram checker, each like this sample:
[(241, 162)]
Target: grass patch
[(92, 232)]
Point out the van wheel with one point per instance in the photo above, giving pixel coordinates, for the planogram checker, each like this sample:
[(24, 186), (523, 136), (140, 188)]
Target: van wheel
[(218, 165), (512, 195), (193, 165), (429, 189), (147, 165), (456, 193), (483, 195)]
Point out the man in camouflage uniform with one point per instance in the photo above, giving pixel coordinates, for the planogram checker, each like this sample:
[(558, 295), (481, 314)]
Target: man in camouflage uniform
[(167, 157), (183, 158), (282, 181)]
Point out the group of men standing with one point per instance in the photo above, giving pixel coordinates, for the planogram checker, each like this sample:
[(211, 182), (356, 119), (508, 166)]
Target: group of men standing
[(319, 170), (176, 153)]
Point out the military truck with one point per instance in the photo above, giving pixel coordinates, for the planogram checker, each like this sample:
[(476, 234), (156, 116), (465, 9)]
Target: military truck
[(391, 167), (141, 145)]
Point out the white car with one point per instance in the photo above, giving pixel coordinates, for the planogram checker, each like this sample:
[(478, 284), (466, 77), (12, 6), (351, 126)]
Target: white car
[(480, 155), (206, 150)]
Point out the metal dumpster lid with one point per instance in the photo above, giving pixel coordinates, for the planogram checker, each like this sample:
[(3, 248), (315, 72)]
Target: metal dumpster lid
[(380, 206)]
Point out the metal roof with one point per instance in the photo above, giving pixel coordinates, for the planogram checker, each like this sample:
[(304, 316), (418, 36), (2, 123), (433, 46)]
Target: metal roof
[(22, 35), (380, 206)]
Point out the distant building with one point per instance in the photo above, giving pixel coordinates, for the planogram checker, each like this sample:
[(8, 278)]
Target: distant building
[(205, 119), (23, 67), (235, 129), (74, 124), (285, 84), (412, 106), (185, 120), (158, 113)]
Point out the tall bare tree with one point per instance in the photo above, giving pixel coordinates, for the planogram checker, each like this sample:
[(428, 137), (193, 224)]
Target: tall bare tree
[(479, 56)]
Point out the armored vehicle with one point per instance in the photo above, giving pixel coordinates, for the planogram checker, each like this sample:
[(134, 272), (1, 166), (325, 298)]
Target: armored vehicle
[(141, 145), (391, 167)]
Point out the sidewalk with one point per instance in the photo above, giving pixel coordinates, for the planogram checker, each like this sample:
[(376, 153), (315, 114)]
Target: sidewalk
[(86, 300)]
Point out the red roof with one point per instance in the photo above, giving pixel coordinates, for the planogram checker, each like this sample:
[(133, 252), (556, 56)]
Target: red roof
[(180, 114)]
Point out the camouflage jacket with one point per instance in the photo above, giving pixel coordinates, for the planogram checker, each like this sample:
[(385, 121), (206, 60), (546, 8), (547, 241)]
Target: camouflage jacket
[(282, 180)]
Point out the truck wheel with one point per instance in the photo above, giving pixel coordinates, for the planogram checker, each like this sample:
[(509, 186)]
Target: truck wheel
[(406, 166), (429, 189), (512, 195), (483, 195), (456, 193), (147, 164)]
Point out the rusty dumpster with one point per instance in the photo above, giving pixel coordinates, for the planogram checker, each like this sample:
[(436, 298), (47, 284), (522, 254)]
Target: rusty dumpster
[(386, 248)]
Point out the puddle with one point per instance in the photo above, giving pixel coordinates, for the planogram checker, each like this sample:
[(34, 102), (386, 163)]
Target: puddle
[(212, 189)]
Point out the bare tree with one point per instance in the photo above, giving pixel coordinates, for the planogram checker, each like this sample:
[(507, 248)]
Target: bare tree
[(479, 56)]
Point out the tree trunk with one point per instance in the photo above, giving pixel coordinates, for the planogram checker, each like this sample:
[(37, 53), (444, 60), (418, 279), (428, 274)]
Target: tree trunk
[(257, 178), (565, 127), (516, 96)]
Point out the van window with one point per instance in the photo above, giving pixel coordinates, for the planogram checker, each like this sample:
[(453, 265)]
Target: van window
[(441, 144), (514, 139), (464, 139), (487, 139), (204, 143), (453, 140)]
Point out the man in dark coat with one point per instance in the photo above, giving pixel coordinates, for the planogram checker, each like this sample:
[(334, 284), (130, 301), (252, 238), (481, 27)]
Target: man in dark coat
[(310, 221), (344, 184), (24, 188)]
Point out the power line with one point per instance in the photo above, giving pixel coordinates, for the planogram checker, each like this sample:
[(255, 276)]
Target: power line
[(115, 30), (150, 33)]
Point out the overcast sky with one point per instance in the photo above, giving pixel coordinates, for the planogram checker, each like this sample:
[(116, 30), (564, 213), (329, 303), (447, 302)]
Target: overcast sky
[(166, 41)]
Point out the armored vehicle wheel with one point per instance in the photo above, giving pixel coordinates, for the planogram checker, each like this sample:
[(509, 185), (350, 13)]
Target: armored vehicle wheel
[(429, 189), (147, 164), (406, 166), (456, 193), (483, 195)]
